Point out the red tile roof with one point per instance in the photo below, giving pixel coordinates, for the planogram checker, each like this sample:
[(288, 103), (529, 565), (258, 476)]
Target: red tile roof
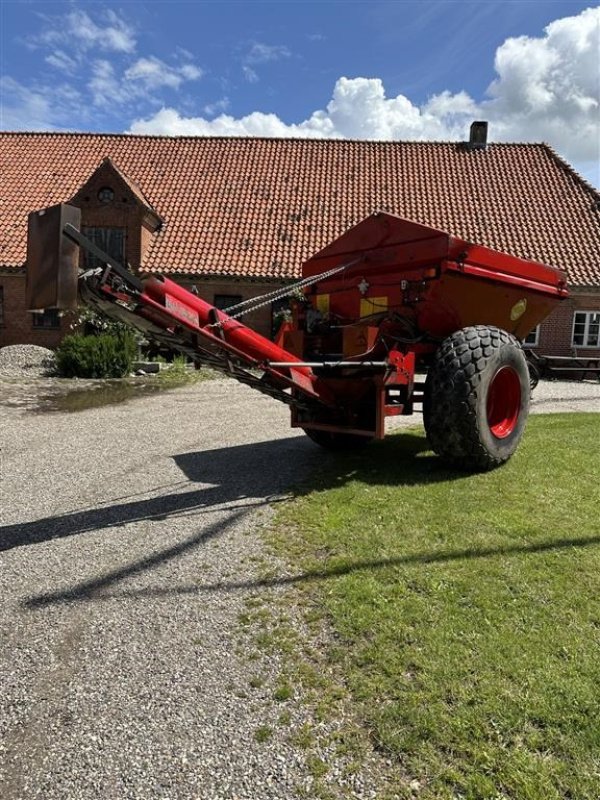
[(108, 168), (257, 208)]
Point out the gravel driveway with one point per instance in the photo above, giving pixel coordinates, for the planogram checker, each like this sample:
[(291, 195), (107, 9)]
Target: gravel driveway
[(128, 550)]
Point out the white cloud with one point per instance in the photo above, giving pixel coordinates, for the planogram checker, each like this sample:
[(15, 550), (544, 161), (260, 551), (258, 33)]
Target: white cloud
[(141, 81), (261, 53), (152, 73), (191, 72), (21, 103), (34, 108), (168, 121), (79, 32), (62, 61), (546, 90), (98, 54), (250, 74), (117, 35), (105, 86), (358, 109), (214, 108)]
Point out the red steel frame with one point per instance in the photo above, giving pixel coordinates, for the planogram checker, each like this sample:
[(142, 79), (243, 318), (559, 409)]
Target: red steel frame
[(350, 356), (426, 279)]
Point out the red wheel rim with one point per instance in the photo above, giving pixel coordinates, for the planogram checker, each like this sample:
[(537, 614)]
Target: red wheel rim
[(504, 402)]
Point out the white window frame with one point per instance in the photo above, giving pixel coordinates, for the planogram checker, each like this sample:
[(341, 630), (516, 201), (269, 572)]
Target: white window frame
[(536, 341), (589, 317)]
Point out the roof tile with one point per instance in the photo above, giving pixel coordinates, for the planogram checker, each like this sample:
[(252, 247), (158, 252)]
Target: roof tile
[(258, 208)]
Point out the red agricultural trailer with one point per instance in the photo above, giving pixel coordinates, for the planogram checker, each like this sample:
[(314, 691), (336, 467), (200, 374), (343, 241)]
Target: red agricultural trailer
[(388, 300)]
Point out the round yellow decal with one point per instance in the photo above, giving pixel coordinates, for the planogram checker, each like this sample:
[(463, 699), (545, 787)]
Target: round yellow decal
[(518, 310)]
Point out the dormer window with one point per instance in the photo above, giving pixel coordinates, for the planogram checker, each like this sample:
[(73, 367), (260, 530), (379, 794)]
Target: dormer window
[(125, 236), (106, 195), (110, 240)]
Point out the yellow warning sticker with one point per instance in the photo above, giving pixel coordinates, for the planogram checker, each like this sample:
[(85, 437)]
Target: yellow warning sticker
[(372, 305), (322, 302)]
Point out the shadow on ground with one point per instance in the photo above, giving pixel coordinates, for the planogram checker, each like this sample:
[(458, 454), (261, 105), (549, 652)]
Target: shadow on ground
[(236, 479), (416, 559), (255, 473)]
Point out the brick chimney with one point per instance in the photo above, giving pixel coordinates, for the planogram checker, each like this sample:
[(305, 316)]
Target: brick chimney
[(478, 135)]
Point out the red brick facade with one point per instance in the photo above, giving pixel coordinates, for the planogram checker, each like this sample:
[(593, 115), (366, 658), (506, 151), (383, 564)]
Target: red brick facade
[(556, 332), (18, 324), (126, 210), (259, 320)]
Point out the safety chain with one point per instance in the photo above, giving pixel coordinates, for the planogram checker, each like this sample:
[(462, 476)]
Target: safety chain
[(278, 294)]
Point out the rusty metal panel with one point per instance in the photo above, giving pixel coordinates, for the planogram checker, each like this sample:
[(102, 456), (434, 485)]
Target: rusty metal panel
[(52, 259)]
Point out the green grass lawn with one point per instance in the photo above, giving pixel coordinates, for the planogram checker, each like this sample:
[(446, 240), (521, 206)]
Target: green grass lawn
[(466, 608)]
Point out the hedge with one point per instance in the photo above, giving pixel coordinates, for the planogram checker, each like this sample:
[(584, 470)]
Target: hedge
[(100, 356)]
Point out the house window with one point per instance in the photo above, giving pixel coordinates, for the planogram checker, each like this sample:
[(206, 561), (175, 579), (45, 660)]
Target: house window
[(533, 337), (1, 306), (46, 319), (225, 301), (586, 329), (110, 240)]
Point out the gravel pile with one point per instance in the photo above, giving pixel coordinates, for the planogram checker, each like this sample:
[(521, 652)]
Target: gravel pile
[(26, 361)]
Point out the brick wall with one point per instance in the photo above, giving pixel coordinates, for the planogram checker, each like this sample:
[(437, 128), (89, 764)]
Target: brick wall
[(556, 331), (123, 212), (259, 320), (18, 322)]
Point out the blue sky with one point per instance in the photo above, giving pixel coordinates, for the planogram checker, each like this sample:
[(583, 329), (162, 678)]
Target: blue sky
[(381, 70)]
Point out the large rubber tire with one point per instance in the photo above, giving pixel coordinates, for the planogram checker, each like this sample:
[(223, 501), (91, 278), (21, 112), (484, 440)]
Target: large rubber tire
[(331, 440), (477, 398)]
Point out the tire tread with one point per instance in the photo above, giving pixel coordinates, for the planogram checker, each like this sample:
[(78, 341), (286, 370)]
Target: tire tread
[(451, 395)]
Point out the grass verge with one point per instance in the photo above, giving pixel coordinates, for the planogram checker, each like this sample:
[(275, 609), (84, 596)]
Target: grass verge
[(180, 374), (466, 609)]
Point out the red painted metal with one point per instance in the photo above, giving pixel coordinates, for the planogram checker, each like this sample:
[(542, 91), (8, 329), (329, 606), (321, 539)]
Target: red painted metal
[(164, 301), (388, 244), (350, 355), (504, 402), (191, 309), (406, 287), (441, 283)]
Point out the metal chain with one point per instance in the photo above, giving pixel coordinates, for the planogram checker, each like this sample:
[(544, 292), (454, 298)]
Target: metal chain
[(279, 294)]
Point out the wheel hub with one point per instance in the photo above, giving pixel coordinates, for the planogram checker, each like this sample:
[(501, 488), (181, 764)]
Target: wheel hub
[(504, 402)]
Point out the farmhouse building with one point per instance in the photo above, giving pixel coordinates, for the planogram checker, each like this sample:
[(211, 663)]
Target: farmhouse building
[(236, 217)]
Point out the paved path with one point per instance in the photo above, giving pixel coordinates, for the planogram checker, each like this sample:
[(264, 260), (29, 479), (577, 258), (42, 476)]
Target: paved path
[(126, 556)]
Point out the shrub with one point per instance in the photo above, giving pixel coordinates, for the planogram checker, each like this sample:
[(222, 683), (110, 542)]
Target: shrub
[(101, 356), (91, 322)]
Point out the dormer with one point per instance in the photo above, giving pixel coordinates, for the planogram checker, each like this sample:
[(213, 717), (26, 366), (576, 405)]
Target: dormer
[(116, 215)]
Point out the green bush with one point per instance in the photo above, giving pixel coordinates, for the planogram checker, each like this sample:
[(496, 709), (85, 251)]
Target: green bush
[(101, 356)]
